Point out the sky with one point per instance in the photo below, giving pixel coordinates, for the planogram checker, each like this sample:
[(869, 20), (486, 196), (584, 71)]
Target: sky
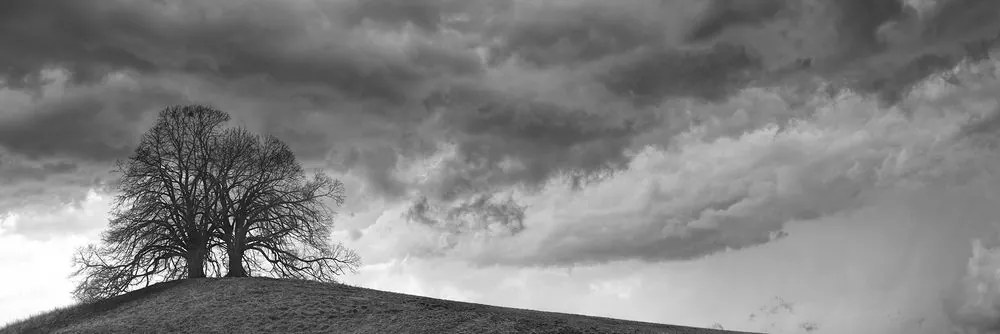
[(788, 166)]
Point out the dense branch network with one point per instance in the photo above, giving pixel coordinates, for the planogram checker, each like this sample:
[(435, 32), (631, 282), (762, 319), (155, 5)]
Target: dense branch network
[(193, 194), (275, 218)]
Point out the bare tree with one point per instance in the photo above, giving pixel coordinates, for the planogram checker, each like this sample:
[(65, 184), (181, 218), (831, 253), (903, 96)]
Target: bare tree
[(273, 219), (159, 228), (192, 187)]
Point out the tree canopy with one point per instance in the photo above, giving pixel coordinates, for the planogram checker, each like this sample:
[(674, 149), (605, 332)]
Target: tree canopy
[(195, 194), (275, 217)]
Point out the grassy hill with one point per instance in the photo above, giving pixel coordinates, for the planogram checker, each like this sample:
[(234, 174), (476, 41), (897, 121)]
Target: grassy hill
[(261, 305)]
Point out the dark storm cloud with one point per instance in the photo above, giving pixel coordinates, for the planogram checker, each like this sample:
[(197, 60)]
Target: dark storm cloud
[(957, 18), (877, 47), (711, 73), (284, 43), (65, 142), (634, 47), (503, 140), (858, 22), (918, 44), (894, 84), (560, 34), (377, 164), (37, 34), (99, 125), (483, 212), (946, 29), (723, 14), (11, 172), (429, 15), (504, 94), (425, 14), (653, 50), (292, 52)]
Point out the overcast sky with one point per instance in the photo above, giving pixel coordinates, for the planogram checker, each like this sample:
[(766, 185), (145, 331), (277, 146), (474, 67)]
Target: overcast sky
[(786, 166)]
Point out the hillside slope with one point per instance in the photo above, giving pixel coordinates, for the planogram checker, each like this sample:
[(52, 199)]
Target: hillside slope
[(260, 305)]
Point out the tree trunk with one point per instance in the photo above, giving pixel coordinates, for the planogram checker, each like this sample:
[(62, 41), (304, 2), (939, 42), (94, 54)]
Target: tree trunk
[(235, 268), (196, 262)]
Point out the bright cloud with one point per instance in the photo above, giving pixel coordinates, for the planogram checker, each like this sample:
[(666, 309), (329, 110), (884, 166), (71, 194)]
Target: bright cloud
[(36, 254)]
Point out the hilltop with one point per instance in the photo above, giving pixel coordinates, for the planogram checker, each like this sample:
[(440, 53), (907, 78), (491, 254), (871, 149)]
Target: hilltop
[(263, 305)]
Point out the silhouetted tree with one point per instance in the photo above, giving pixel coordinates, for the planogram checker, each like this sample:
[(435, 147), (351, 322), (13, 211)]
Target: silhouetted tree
[(192, 187), (273, 218), (159, 229)]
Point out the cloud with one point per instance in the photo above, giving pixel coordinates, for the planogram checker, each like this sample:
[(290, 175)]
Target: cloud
[(91, 123), (722, 15), (974, 306), (302, 43), (731, 181), (42, 267), (39, 184), (383, 57), (875, 47), (860, 20), (18, 171), (483, 212), (572, 33), (917, 40), (64, 140), (712, 73), (428, 15), (445, 103), (70, 219), (498, 140)]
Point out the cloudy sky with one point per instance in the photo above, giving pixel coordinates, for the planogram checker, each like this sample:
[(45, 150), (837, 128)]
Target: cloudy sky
[(799, 166)]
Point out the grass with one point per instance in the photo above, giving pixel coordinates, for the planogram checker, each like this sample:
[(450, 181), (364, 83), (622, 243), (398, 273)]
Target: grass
[(263, 305)]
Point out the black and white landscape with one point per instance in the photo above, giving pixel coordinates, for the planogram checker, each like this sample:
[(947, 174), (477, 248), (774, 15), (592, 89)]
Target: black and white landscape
[(779, 166)]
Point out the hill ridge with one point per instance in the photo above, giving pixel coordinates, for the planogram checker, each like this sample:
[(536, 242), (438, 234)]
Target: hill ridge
[(267, 305)]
